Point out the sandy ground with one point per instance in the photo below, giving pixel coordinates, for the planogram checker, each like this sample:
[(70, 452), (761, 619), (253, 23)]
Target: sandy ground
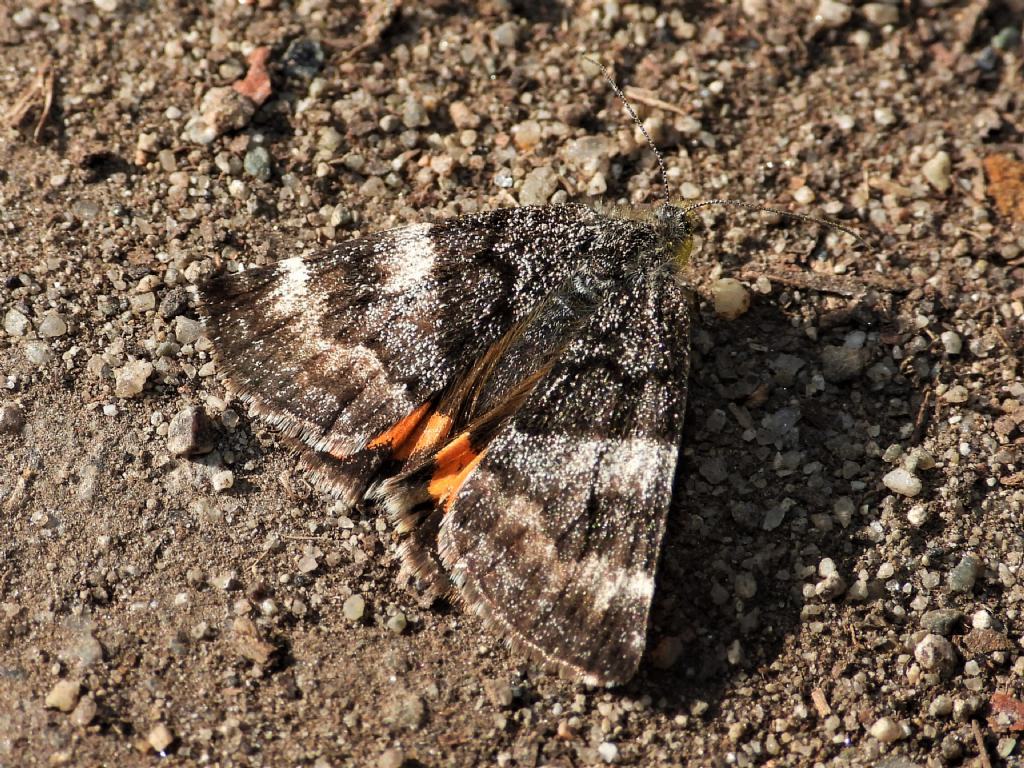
[(840, 582)]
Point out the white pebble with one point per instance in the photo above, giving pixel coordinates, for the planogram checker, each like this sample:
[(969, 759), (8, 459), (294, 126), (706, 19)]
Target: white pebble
[(951, 342), (731, 298), (160, 737), (917, 515), (886, 730), (981, 619), (957, 394), (130, 379), (832, 14), (608, 752), (937, 171), (902, 482), (884, 116), (353, 608), (689, 190), (804, 195), (880, 14), (64, 695), (222, 480)]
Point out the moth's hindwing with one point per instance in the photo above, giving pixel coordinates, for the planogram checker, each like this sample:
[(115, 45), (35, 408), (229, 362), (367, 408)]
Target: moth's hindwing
[(550, 520)]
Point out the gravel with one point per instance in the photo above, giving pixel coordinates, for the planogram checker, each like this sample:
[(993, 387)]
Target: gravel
[(64, 695), (353, 608), (190, 433), (795, 586)]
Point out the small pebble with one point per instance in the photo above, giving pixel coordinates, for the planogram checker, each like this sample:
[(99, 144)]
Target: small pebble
[(85, 712), (918, 515), (608, 752), (804, 195), (463, 116), (500, 693), (858, 591), (745, 585), (842, 363), (902, 482), (941, 706), (1006, 39), (130, 379), (249, 644), (886, 730), (12, 419), (942, 621), (222, 109), (731, 298), (962, 577), (1005, 746), (64, 695), (884, 116), (353, 608), (397, 623), (936, 654), (24, 18), (160, 738), (307, 564), (414, 114), (667, 652), (38, 352), (526, 135), (407, 711), (957, 394), (257, 163), (141, 303), (223, 480), (303, 58), (951, 342), (830, 587), (538, 186), (15, 323), (391, 758), (937, 170), (187, 330), (52, 326), (190, 433), (174, 303), (981, 619), (832, 14), (505, 35), (226, 581), (880, 14)]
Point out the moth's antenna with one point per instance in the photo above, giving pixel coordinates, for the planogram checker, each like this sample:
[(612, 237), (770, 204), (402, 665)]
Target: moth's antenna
[(707, 203), (787, 214), (629, 108)]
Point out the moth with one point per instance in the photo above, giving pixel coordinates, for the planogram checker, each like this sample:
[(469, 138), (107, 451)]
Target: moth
[(510, 385)]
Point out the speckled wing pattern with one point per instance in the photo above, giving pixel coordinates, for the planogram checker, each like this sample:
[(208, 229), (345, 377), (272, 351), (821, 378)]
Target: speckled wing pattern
[(555, 536), (335, 349), (511, 384)]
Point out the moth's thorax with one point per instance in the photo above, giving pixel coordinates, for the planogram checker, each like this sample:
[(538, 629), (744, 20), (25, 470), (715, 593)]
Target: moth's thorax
[(670, 225)]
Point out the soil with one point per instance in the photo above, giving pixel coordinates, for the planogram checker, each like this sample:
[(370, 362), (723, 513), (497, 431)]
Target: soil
[(841, 579)]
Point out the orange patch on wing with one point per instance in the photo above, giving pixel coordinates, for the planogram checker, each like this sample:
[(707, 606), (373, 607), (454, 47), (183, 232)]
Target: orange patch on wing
[(454, 463), (429, 433), (397, 434)]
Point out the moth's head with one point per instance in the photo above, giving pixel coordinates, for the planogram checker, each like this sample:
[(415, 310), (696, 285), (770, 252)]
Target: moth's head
[(677, 226)]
